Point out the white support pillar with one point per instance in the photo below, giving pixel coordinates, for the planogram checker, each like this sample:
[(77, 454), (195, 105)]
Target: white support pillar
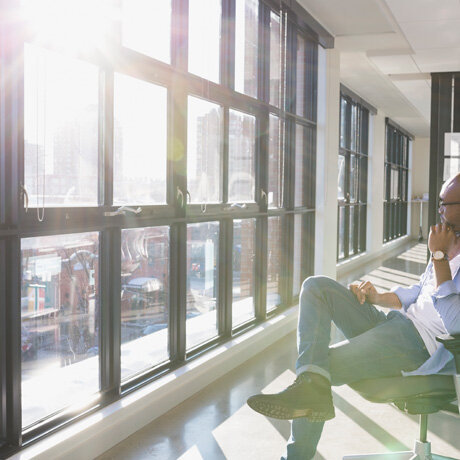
[(327, 149)]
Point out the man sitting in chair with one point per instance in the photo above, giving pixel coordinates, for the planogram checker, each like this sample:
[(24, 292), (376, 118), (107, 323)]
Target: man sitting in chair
[(378, 344)]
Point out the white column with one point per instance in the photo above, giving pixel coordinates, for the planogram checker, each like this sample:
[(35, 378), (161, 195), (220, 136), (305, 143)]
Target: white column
[(327, 149), (376, 183)]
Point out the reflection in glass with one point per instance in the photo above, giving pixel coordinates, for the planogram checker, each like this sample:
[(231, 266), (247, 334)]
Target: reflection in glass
[(300, 152), (354, 127), (60, 129), (275, 162), (275, 59), (394, 184), (204, 151), (146, 27), (351, 228), (202, 282), (297, 273), (341, 180), (60, 322), (274, 263), (353, 178), (341, 232), (300, 77), (244, 232), (204, 38), (241, 152), (343, 120), (144, 298), (451, 155), (140, 139), (246, 45)]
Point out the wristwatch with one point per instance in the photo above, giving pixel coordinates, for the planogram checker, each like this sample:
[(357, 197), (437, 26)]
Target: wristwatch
[(439, 255)]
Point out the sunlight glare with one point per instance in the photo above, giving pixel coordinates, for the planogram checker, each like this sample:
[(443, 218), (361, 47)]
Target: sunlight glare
[(73, 25)]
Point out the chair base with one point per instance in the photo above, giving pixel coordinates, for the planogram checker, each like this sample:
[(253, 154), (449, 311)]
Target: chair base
[(422, 451)]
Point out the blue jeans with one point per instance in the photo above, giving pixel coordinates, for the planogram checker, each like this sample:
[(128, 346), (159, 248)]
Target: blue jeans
[(377, 345)]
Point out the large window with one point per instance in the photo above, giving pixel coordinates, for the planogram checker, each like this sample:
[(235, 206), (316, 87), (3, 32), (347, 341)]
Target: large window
[(396, 182), (166, 193), (352, 178)]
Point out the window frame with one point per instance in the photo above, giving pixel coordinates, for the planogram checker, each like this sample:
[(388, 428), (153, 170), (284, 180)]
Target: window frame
[(397, 156), (355, 145)]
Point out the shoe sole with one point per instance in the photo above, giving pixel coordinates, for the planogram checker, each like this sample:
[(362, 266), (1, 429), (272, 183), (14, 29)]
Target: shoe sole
[(284, 413)]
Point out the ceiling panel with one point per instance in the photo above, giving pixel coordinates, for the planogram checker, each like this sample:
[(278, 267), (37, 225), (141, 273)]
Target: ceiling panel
[(394, 64), (432, 34), (424, 10), (351, 17), (418, 92), (438, 60)]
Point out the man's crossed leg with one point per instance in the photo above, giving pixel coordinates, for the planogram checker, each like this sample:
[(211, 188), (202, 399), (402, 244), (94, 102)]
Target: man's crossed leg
[(377, 345)]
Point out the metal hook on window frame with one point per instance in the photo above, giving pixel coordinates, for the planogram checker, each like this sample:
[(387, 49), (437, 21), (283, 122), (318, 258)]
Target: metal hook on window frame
[(25, 196), (263, 196), (180, 196)]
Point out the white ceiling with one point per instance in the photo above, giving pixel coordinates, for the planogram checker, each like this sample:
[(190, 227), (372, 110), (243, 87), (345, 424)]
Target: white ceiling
[(388, 49)]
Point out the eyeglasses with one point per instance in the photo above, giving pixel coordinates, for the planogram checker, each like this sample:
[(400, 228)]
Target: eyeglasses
[(442, 204)]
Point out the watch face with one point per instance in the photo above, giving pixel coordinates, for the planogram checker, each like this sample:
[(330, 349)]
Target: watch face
[(438, 255)]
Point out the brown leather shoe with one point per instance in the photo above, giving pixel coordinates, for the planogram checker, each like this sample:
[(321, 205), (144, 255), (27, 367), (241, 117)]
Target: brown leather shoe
[(309, 396)]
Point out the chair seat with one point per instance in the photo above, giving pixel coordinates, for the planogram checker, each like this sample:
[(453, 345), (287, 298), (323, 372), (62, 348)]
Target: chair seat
[(421, 394)]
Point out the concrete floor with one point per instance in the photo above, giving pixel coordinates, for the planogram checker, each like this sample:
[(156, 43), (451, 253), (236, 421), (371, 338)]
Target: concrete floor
[(217, 424)]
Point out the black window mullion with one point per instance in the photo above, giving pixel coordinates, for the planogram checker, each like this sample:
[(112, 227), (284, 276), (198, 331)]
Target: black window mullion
[(110, 312), (227, 53), (13, 404), (224, 301), (261, 269), (106, 127)]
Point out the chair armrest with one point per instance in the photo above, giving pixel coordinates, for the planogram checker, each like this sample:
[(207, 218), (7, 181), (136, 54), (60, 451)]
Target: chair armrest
[(452, 343)]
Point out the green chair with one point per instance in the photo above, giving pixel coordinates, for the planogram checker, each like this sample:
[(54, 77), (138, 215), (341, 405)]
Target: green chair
[(422, 395)]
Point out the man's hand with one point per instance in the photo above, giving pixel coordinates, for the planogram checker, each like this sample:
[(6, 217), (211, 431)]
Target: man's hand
[(365, 292), (442, 238)]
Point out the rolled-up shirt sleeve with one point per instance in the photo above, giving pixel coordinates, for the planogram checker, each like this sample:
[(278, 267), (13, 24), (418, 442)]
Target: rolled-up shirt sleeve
[(446, 301), (407, 295)]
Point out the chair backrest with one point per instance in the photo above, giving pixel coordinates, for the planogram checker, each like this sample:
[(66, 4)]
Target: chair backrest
[(421, 394)]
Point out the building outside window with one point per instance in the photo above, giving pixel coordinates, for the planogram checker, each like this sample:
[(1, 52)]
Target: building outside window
[(398, 144), (352, 177)]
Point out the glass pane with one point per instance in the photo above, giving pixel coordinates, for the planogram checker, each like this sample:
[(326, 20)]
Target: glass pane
[(59, 322), (354, 127), (60, 129), (204, 38), (300, 153), (341, 232), (341, 180), (353, 178), (202, 282), (204, 151), (146, 27), (351, 239), (296, 276), (244, 253), (343, 122), (394, 184), (144, 298), (451, 167), (140, 142), (275, 59), (274, 263), (300, 77), (241, 152), (246, 46), (275, 162)]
